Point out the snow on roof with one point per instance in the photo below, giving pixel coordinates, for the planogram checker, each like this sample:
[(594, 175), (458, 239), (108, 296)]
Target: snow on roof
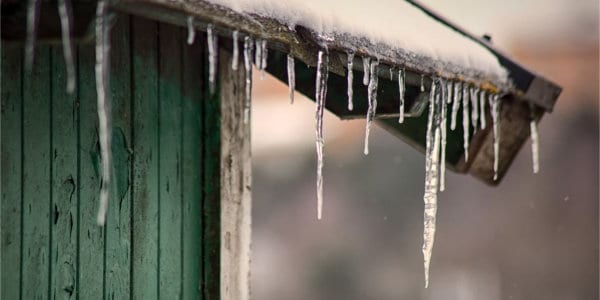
[(395, 23)]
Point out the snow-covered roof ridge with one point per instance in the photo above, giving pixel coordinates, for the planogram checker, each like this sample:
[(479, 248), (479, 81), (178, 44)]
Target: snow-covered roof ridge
[(386, 29)]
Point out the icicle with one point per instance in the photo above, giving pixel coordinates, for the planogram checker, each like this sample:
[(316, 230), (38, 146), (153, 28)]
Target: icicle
[(65, 25), (236, 52), (372, 96), (32, 18), (474, 108), (455, 103), (495, 106), (264, 54), (431, 181), (444, 128), (350, 80), (248, 66), (212, 57), (258, 54), (291, 76), (465, 103), (449, 93), (482, 97), (366, 64), (401, 89), (321, 93), (391, 74), (104, 106), (535, 156), (191, 31), (422, 83)]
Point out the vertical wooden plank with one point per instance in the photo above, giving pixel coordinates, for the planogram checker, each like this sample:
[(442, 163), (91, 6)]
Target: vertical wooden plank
[(145, 160), (11, 209), (36, 176), (91, 236), (169, 87), (192, 145), (211, 203), (118, 222), (235, 177), (64, 182)]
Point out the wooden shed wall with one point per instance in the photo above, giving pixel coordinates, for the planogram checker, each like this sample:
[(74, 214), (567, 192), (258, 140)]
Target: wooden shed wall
[(161, 239)]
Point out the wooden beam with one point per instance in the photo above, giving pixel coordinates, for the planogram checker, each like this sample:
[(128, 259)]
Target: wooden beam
[(236, 205)]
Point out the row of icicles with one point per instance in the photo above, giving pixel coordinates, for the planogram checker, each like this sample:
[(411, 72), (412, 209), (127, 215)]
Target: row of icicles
[(445, 95)]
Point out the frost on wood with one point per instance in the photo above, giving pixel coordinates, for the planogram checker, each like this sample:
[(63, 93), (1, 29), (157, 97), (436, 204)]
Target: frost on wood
[(372, 98), (350, 80), (236, 51), (432, 151), (104, 105), (321, 94), (248, 68), (291, 72), (212, 41), (191, 31), (32, 18), (402, 91), (65, 26)]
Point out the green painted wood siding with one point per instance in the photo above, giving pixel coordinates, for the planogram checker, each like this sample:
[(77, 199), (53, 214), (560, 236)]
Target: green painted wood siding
[(161, 238)]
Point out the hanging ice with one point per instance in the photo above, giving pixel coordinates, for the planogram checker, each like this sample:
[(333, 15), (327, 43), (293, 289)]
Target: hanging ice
[(391, 74), (482, 97), (401, 89), (445, 95), (372, 97), (104, 106), (474, 108), (366, 64), (191, 31), (350, 80), (264, 54), (535, 156), (321, 93), (65, 25), (236, 52), (32, 16), (455, 103), (291, 76), (465, 103), (258, 54), (422, 83), (432, 148), (495, 107), (212, 57), (248, 68), (449, 94)]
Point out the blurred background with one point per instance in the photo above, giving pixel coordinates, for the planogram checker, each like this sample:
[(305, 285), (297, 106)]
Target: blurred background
[(532, 237)]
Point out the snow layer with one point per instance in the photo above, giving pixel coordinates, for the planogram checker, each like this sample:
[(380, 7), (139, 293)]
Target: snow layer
[(396, 23)]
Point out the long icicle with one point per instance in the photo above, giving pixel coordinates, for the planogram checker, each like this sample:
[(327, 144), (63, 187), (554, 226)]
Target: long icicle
[(495, 106), (482, 97), (236, 51), (191, 31), (104, 107), (465, 103), (248, 68), (422, 83), (372, 97), (431, 181), (32, 18), (65, 25), (455, 103), (402, 91), (366, 64), (350, 78), (321, 94), (264, 54), (535, 141), (474, 108), (257, 54), (291, 72), (445, 95), (212, 57)]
